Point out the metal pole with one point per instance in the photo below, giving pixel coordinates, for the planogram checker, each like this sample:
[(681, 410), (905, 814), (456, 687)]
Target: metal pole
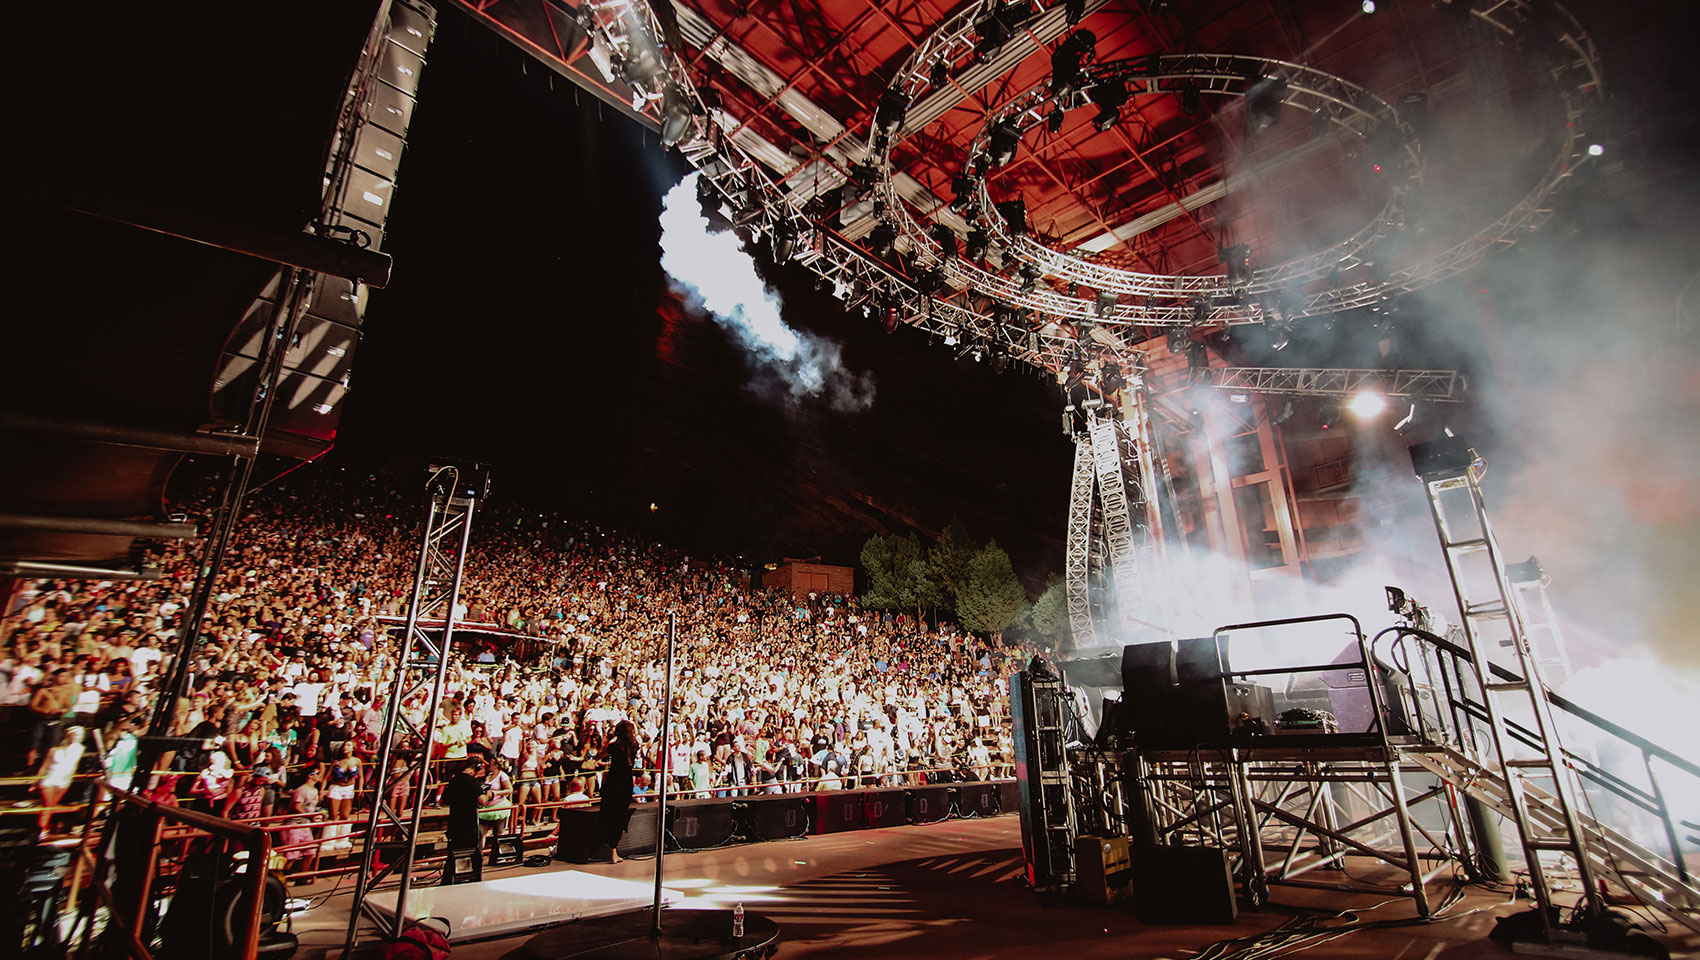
[(664, 772)]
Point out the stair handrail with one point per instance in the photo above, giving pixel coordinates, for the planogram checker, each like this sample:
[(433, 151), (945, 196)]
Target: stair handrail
[(1651, 800)]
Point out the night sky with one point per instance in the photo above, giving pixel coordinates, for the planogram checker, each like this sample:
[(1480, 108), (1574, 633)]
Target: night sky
[(530, 324)]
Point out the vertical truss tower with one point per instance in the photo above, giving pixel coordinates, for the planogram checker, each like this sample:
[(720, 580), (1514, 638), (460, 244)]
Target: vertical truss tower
[(421, 667), (1111, 532)]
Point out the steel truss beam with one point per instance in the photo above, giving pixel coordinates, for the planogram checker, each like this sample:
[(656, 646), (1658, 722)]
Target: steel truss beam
[(1314, 810), (1438, 386), (421, 667)]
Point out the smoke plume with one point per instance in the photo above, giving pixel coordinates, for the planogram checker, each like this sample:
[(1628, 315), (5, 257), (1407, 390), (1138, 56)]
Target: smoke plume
[(788, 365)]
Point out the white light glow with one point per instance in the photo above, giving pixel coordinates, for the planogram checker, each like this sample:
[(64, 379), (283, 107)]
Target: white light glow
[(1368, 6), (1367, 404), (1596, 150)]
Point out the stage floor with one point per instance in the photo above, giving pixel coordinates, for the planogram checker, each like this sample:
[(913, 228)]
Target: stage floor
[(524, 902), (955, 890)]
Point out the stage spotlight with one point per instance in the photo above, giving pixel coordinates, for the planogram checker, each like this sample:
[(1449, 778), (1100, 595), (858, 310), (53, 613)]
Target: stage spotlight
[(1263, 102), (1054, 121), (1109, 95), (1074, 11), (1237, 259), (676, 120), (977, 245), (1066, 61), (784, 241), (1107, 301), (1368, 7), (1596, 150), (993, 33), (893, 107), (882, 238), (1366, 404), (1000, 361), (1029, 278), (1003, 143), (1190, 100), (939, 73), (945, 237), (1014, 213), (964, 188), (1201, 310), (1328, 416), (889, 322)]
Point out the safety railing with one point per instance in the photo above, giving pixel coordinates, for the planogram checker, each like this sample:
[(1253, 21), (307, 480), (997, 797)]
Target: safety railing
[(129, 916), (1444, 705)]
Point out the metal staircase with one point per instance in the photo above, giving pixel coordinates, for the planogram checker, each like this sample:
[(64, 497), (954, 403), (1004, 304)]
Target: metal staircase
[(1486, 723), (1650, 877)]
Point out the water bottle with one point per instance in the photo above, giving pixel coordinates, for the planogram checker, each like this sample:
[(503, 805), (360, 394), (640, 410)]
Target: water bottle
[(738, 922)]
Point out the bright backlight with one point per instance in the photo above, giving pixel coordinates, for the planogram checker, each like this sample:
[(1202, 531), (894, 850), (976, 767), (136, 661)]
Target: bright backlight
[(1367, 404)]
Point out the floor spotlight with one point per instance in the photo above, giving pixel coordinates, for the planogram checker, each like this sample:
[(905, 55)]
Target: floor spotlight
[(1366, 404)]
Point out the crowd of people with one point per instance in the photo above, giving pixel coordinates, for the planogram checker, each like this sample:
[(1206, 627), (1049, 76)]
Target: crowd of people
[(287, 698)]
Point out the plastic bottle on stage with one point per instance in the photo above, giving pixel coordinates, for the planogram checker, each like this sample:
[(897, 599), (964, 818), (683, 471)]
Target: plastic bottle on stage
[(738, 922)]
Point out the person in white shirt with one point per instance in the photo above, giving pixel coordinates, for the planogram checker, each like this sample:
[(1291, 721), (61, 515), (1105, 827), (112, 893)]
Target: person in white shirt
[(511, 738), (307, 694)]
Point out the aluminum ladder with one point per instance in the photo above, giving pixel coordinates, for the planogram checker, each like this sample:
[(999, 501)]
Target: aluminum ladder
[(1539, 792)]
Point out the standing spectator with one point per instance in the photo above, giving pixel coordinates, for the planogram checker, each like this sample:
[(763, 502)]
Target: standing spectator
[(57, 772), (465, 794), (616, 805)]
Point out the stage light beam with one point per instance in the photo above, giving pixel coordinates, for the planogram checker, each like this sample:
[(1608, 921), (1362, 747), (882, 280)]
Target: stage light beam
[(1366, 404)]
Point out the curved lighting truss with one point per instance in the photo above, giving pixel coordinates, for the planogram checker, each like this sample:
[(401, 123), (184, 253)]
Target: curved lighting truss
[(1035, 323), (1339, 277)]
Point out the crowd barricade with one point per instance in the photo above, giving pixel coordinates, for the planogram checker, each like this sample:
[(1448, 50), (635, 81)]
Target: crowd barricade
[(769, 811)]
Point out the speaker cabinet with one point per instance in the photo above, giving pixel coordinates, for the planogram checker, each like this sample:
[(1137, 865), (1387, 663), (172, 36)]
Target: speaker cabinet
[(977, 799), (1183, 885), (697, 824), (929, 804), (580, 837), (836, 811), (782, 816), (1009, 796), (1200, 658), (885, 808)]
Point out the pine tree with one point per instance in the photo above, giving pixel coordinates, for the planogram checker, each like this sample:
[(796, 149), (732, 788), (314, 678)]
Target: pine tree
[(993, 598), (948, 560), (1049, 615)]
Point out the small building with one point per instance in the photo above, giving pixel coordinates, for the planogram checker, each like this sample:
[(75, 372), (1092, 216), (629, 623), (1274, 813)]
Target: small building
[(803, 577)]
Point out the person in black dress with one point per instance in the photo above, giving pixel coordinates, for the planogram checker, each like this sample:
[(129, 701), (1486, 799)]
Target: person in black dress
[(464, 795), (616, 804)]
